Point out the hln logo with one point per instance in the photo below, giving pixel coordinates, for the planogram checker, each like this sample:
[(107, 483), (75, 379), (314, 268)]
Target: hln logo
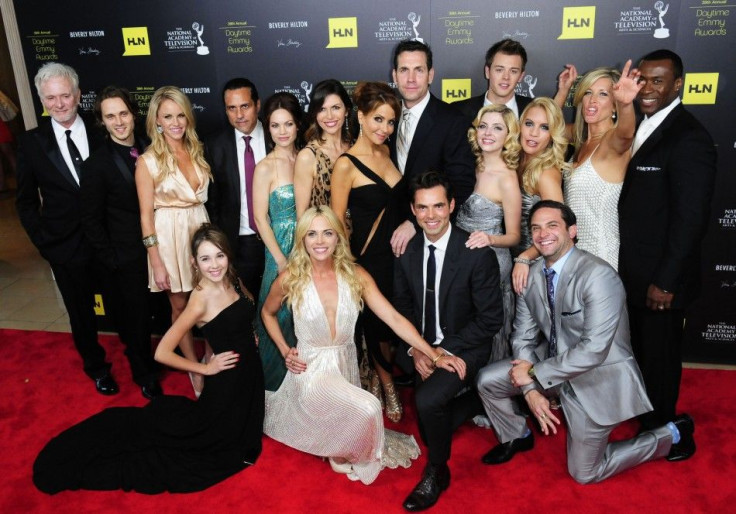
[(455, 89), (135, 40), (700, 88), (578, 23), (343, 32)]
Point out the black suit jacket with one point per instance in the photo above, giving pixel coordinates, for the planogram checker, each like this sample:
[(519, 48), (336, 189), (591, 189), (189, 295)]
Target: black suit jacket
[(470, 304), (440, 143), (470, 107), (52, 220), (223, 204), (664, 208), (110, 213)]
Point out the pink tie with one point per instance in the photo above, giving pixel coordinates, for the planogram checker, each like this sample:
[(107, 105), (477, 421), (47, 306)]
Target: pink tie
[(250, 166)]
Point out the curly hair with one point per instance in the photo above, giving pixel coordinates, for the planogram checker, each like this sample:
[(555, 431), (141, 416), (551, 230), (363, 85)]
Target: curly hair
[(299, 265), (511, 145), (159, 148), (551, 157), (580, 131)]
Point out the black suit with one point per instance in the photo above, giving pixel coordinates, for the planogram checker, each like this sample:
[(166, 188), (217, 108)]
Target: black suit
[(224, 204), (112, 223), (663, 212), (54, 225), (470, 311), (470, 107), (440, 143)]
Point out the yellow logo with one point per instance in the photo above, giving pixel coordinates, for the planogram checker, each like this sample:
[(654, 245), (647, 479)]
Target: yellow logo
[(578, 23), (99, 305), (135, 40), (343, 32), (700, 88), (455, 89)]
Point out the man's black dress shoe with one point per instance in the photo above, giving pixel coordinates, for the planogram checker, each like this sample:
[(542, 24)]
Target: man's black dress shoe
[(151, 389), (435, 479), (686, 447), (106, 385), (504, 452)]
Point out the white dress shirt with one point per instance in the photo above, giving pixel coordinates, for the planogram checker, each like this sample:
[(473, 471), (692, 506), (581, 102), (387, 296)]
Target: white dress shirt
[(649, 125), (78, 135), (511, 104), (416, 113)]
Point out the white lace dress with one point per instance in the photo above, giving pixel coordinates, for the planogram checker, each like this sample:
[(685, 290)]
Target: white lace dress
[(323, 411)]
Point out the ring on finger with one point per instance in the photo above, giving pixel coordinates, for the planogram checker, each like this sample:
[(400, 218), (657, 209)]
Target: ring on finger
[(543, 416)]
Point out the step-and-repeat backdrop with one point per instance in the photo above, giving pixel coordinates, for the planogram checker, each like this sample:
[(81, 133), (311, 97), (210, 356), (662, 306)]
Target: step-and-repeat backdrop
[(290, 45)]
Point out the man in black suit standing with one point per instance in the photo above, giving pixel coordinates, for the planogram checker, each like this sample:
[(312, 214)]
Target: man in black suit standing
[(233, 154), (663, 212), (48, 203), (504, 69), (111, 220), (431, 134), (451, 294)]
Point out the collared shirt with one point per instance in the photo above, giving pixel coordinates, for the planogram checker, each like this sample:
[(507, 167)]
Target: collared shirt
[(258, 143), (440, 249), (649, 125), (511, 104), (416, 113), (78, 135), (558, 267)]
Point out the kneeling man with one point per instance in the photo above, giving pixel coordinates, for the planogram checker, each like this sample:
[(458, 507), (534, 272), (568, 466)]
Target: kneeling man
[(577, 303)]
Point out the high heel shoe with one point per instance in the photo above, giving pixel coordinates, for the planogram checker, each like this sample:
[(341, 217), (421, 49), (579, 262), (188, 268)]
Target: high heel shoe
[(197, 393), (375, 388), (393, 404), (342, 468)]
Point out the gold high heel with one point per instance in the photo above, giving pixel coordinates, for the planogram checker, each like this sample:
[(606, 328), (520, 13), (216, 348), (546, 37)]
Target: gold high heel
[(393, 404), (375, 388)]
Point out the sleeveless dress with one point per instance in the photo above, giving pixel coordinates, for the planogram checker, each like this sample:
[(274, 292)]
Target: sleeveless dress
[(178, 212), (527, 202), (282, 213), (480, 213), (323, 411), (322, 179), (366, 203), (595, 204), (172, 444)]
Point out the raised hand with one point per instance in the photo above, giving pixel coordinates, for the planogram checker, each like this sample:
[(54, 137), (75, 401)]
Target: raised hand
[(628, 86), (567, 77)]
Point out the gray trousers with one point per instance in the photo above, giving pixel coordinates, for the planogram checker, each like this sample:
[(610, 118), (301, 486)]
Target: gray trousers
[(590, 457)]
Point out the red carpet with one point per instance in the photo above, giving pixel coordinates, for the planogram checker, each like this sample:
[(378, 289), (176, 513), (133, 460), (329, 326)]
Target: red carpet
[(43, 390)]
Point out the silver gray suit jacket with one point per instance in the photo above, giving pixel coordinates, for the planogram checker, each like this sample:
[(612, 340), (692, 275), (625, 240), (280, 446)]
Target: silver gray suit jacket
[(593, 345)]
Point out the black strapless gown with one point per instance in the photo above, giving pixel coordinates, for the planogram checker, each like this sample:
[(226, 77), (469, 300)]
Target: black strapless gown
[(172, 444)]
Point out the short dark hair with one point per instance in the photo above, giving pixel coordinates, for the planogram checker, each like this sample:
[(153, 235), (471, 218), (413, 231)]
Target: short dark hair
[(114, 92), (412, 45), (565, 211), (288, 102), (239, 83), (428, 180), (665, 55), (509, 47)]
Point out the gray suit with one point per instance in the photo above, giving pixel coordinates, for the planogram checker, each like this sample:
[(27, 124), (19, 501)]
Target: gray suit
[(594, 372)]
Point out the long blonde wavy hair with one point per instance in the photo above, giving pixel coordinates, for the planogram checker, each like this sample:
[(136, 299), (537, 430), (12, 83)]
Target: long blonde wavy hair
[(299, 264), (551, 157), (160, 149), (580, 130), (511, 145)]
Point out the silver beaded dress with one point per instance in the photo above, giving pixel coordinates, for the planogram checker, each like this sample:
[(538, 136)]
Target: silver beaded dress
[(527, 202), (595, 204), (480, 213), (323, 411)]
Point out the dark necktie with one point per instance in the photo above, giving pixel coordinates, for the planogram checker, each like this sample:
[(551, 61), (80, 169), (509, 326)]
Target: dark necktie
[(74, 153), (549, 274), (250, 166), (430, 323)]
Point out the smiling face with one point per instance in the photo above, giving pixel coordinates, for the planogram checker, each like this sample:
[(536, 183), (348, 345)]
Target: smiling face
[(412, 77), (283, 128), (331, 116), (241, 110), (432, 210), (320, 240), (551, 237), (171, 118), (378, 124), (211, 261), (660, 87), (535, 136), (598, 104), (504, 73), (60, 100), (491, 133), (118, 120)]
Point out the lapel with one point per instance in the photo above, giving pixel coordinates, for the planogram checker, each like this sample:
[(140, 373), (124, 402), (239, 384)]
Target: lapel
[(424, 127), (47, 140), (450, 265), (416, 266), (120, 165), (563, 284), (232, 168)]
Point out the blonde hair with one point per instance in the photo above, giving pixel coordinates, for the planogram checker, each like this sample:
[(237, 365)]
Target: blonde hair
[(551, 157), (580, 130), (159, 148), (299, 265), (511, 146)]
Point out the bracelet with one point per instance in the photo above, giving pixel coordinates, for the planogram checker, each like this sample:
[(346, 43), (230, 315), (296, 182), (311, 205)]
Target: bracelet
[(434, 361), (522, 260), (150, 241)]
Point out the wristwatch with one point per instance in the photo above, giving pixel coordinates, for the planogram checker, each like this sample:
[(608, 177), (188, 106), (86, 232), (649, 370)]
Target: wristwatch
[(532, 373)]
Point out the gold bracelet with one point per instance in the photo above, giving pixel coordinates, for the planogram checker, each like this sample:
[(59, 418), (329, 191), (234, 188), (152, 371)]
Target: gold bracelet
[(150, 241), (434, 361)]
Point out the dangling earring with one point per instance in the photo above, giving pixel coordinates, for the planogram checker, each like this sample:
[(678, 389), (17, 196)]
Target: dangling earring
[(159, 129), (360, 132), (614, 116)]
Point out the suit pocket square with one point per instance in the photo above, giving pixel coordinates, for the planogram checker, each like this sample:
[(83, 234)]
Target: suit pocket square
[(648, 168), (566, 314)]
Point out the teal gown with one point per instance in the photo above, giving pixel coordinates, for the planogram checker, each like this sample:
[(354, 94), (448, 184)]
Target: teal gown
[(282, 213)]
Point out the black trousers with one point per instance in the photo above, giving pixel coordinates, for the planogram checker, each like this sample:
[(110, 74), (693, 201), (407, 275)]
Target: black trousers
[(250, 258)]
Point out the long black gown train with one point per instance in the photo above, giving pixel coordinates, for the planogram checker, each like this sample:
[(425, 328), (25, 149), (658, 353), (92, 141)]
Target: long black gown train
[(172, 444)]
